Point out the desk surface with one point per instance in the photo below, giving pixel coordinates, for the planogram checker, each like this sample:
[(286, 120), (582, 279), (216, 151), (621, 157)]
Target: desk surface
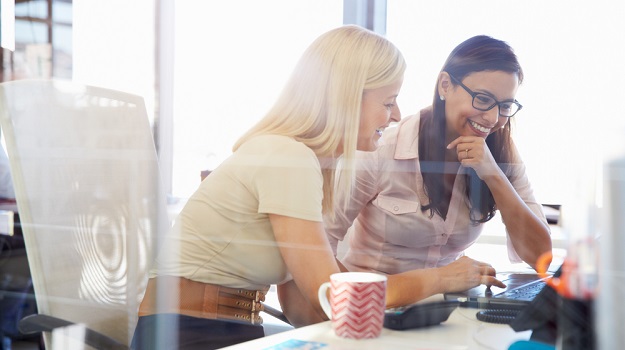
[(461, 331)]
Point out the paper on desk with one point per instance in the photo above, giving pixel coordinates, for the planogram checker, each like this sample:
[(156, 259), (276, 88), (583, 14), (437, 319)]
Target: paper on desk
[(297, 344)]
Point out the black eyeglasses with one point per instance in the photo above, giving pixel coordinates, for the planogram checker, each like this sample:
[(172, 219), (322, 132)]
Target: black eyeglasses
[(484, 102)]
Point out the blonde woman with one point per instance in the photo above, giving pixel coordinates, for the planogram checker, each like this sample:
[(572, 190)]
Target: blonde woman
[(256, 220)]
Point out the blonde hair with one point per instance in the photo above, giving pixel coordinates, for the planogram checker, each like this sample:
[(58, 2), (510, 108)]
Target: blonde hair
[(320, 103)]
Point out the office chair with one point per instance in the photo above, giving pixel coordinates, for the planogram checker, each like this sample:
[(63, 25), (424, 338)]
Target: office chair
[(88, 193)]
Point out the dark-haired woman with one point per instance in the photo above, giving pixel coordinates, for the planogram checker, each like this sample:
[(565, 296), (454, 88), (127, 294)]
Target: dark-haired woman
[(423, 196)]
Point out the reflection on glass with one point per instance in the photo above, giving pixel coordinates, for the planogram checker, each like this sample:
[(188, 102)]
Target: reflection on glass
[(30, 32), (62, 39), (62, 12), (35, 8)]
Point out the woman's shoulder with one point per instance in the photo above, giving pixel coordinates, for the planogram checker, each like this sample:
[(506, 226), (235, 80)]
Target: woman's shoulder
[(274, 142), (276, 145)]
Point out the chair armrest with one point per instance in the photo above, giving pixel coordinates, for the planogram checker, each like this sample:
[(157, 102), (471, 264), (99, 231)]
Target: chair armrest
[(44, 323), (275, 313)]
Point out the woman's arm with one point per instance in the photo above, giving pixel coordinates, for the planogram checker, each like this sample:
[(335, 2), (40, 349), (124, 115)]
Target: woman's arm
[(300, 312), (296, 307), (530, 236), (411, 286), (309, 259), (402, 289)]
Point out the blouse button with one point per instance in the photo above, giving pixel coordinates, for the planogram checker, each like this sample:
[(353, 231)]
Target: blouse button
[(396, 208)]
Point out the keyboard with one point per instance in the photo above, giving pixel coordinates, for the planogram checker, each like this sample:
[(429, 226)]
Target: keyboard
[(527, 292)]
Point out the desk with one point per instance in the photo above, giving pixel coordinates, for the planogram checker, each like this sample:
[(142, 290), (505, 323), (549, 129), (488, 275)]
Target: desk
[(461, 331)]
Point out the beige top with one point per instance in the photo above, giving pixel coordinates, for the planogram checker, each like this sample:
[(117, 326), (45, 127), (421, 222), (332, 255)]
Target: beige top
[(223, 234)]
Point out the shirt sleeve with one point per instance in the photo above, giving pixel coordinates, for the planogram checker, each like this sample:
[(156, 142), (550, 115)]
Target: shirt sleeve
[(523, 187), (346, 209), (288, 182)]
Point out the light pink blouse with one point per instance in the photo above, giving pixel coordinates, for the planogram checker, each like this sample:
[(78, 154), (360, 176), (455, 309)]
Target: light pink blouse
[(390, 233)]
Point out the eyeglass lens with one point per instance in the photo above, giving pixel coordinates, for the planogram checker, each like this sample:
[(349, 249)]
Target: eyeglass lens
[(485, 102)]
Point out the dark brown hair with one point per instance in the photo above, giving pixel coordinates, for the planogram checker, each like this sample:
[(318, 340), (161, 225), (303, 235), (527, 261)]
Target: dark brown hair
[(477, 54)]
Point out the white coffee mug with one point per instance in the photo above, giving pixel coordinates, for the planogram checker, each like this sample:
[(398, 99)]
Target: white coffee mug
[(357, 303)]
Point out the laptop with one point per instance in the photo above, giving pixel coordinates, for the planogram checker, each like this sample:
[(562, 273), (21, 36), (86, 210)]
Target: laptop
[(521, 289)]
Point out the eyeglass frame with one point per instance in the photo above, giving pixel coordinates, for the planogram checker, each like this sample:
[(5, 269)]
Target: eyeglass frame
[(497, 103)]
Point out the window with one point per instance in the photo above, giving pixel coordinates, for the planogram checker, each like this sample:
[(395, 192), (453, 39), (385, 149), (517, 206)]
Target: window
[(43, 41)]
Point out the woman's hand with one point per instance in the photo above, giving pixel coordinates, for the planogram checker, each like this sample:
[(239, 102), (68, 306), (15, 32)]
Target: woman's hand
[(414, 285), (473, 152), (466, 273)]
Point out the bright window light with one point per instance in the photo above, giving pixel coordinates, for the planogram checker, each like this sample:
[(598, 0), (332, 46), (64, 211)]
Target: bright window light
[(7, 24)]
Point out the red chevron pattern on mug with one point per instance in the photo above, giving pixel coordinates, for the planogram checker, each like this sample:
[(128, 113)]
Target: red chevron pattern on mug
[(358, 308)]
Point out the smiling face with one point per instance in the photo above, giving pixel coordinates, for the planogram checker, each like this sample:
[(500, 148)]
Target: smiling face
[(464, 120), (378, 109)]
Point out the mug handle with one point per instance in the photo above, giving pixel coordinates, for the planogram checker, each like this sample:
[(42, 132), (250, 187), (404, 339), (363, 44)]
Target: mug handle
[(323, 299)]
